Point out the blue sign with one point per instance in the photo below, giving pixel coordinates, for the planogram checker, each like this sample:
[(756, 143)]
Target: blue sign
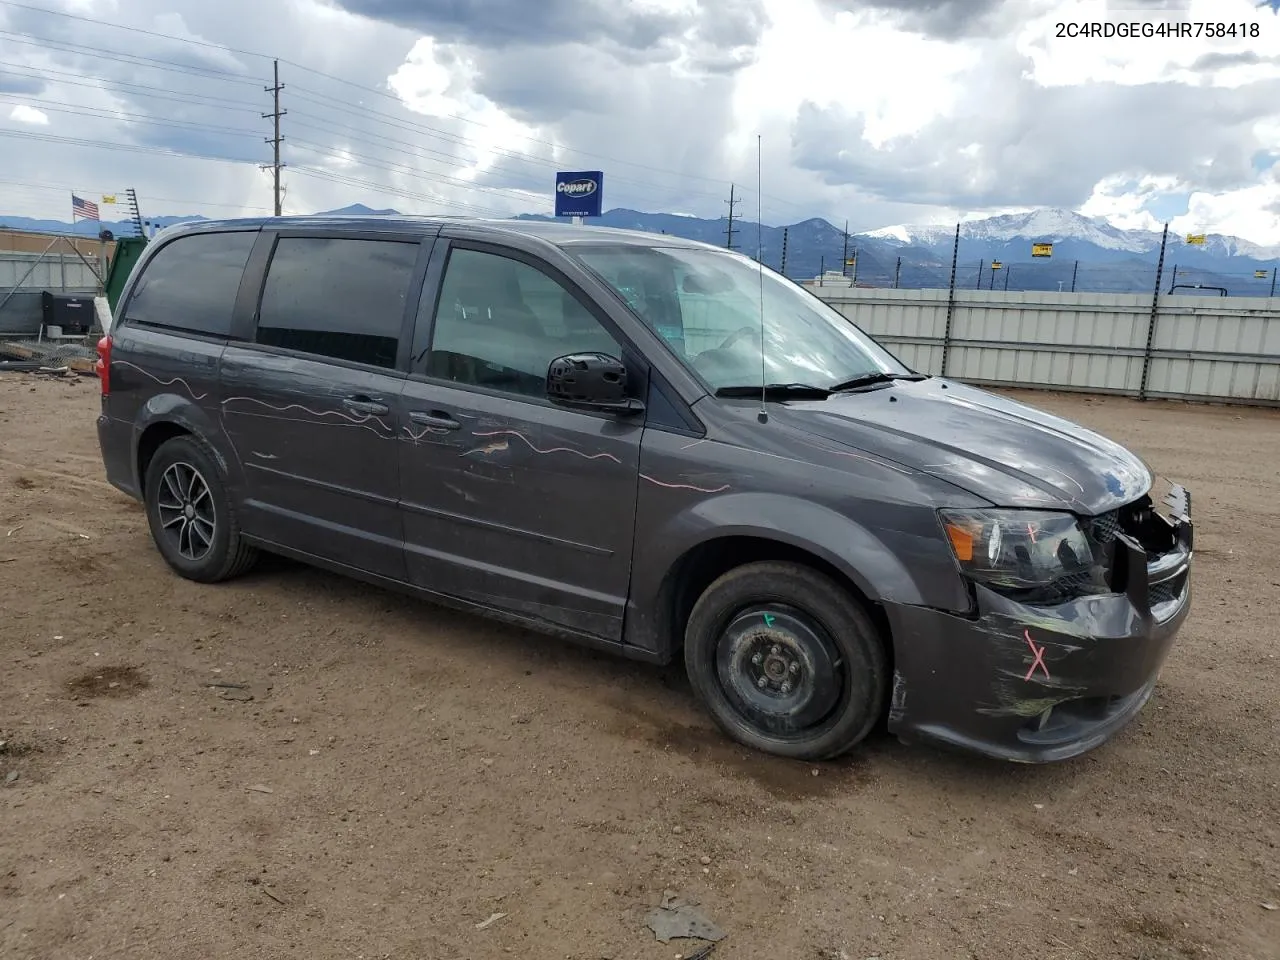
[(579, 193)]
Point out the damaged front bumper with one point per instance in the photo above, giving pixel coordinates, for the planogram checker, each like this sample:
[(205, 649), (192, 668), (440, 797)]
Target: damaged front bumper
[(1037, 684)]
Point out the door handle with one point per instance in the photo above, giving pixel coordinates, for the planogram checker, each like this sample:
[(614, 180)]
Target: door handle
[(436, 418), (371, 406)]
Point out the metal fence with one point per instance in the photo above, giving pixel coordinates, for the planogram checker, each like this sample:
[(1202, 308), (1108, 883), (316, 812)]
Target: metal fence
[(25, 276), (1177, 347)]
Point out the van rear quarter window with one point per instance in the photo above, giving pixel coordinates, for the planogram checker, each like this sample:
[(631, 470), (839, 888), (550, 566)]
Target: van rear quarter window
[(191, 283), (337, 298)]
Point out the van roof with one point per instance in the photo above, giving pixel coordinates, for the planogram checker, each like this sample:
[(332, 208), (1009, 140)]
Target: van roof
[(557, 233)]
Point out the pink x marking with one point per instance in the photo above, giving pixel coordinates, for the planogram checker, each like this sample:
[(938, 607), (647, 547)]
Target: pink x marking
[(1038, 652)]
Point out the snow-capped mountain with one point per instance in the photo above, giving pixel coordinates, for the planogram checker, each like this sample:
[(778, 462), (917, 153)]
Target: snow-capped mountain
[(1072, 234), (1089, 254)]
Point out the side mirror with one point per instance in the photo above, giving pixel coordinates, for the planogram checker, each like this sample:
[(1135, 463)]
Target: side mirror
[(590, 381)]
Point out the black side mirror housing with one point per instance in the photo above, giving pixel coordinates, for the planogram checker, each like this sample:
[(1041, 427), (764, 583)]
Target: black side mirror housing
[(590, 381)]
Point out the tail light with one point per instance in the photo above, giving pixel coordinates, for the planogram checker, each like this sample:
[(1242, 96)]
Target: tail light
[(103, 367)]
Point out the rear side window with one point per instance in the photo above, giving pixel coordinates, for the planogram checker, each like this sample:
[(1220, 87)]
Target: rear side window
[(192, 282), (337, 298)]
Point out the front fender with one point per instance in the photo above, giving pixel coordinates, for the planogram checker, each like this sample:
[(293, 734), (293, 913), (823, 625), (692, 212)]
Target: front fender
[(859, 553)]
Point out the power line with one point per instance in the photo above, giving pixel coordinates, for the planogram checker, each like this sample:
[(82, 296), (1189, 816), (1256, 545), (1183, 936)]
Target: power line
[(88, 80), (210, 102), (381, 93), (322, 174), (331, 103), (409, 195), (317, 148), (103, 113), (134, 59)]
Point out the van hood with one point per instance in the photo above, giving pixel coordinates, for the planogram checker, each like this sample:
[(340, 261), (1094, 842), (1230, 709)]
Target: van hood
[(1003, 451)]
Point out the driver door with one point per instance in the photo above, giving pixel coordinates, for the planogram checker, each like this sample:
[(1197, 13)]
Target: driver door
[(509, 501)]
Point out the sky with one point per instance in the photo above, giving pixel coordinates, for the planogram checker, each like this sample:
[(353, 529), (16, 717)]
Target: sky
[(876, 112)]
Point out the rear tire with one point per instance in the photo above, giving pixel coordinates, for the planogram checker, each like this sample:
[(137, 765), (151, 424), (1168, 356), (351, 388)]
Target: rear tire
[(192, 518), (787, 661)]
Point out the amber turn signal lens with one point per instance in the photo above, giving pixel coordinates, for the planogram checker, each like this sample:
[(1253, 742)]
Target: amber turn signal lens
[(961, 542)]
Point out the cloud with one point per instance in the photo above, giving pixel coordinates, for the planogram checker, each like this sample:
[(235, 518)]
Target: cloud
[(949, 19), (878, 111), (1018, 144), (17, 83), (24, 114), (1210, 62), (644, 32)]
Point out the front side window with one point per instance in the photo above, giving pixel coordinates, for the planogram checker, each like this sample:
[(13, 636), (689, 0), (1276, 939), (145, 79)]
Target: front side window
[(192, 282), (337, 298), (706, 304), (500, 322)]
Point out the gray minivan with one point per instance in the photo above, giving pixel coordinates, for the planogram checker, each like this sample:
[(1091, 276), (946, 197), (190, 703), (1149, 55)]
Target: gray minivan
[(653, 446)]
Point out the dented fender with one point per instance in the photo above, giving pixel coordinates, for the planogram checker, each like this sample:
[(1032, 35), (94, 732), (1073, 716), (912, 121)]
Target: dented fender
[(857, 552)]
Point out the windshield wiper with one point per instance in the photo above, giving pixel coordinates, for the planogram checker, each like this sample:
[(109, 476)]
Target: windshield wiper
[(867, 379), (777, 391)]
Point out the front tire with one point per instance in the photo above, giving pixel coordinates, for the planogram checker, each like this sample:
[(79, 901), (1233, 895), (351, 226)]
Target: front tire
[(192, 519), (786, 661)]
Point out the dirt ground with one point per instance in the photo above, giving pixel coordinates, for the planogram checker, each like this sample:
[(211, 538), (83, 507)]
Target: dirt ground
[(402, 773)]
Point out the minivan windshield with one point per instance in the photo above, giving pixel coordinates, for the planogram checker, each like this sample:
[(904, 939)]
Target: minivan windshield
[(706, 304)]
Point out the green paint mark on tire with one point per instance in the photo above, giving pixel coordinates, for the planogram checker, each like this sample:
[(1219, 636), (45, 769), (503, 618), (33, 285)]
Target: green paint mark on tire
[(768, 619)]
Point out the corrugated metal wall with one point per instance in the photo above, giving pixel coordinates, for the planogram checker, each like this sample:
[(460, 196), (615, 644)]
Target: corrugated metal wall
[(60, 271), (1222, 349)]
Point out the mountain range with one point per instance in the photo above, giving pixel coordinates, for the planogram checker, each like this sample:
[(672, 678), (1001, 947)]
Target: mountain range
[(1088, 253)]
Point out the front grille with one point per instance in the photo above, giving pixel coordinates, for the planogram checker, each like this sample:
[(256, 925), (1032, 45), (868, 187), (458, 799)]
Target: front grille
[(1167, 591), (1103, 527)]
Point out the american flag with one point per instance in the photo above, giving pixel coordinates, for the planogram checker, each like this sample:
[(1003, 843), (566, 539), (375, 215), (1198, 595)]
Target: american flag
[(83, 208)]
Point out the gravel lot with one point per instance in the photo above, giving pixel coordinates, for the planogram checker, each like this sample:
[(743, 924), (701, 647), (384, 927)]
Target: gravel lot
[(402, 773)]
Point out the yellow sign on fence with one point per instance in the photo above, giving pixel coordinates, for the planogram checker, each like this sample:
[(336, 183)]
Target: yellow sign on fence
[(1196, 239), (1042, 249), (1260, 274), (850, 261), (109, 198), (996, 264)]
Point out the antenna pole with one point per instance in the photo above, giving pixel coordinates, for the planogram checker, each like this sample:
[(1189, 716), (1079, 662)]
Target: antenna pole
[(275, 140), (844, 254), (783, 269), (763, 415)]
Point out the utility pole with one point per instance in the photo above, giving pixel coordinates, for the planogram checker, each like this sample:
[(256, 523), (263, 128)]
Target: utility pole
[(897, 273), (783, 269), (1074, 271), (844, 254), (731, 230), (854, 280), (275, 140), (1273, 283)]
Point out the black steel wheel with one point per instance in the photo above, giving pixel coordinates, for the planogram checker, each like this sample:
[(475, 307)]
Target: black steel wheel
[(786, 661), (192, 518)]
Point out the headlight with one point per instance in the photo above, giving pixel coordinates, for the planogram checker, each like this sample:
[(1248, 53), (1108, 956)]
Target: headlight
[(1035, 556)]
